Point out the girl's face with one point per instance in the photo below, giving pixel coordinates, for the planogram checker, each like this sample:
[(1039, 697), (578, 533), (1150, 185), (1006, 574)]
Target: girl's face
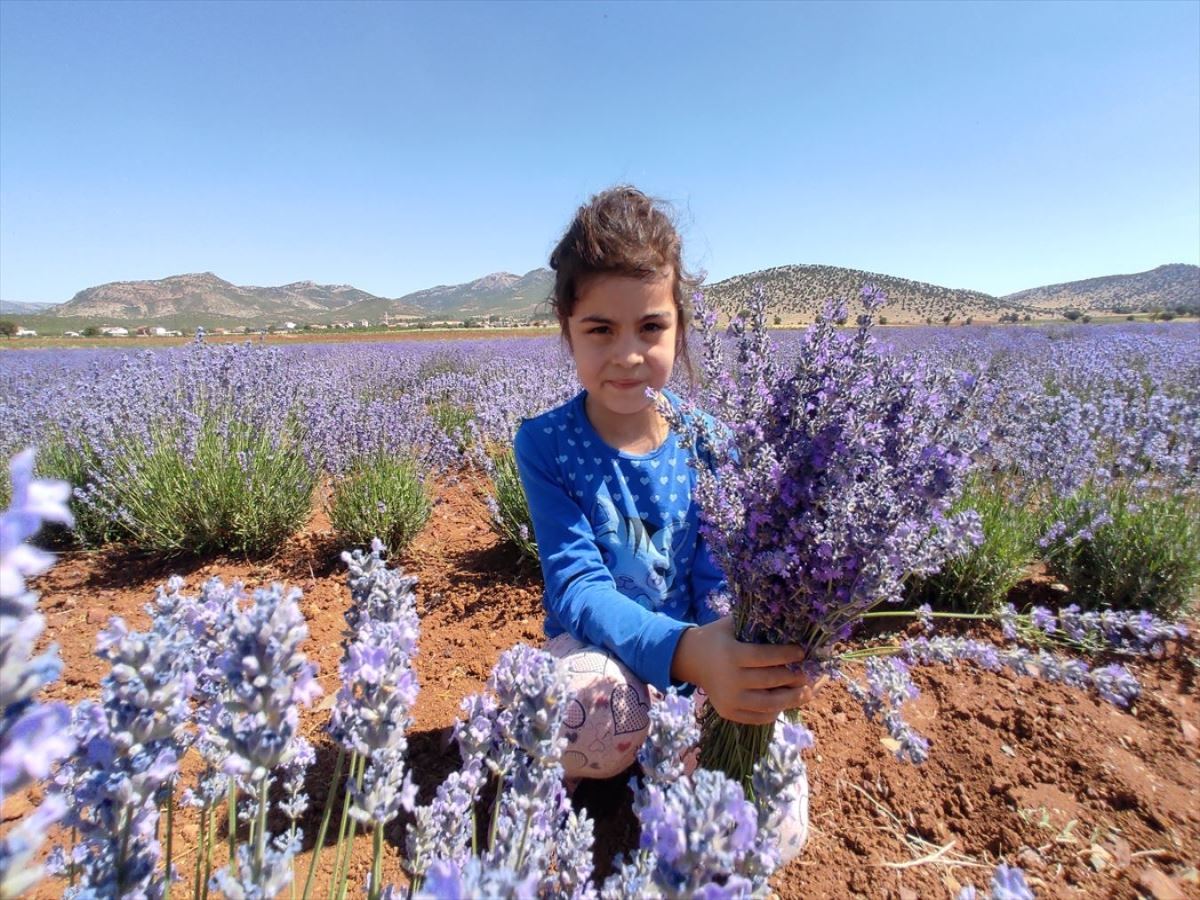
[(623, 334)]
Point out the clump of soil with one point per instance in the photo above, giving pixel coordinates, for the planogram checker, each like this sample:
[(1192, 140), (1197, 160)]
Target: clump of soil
[(1090, 800)]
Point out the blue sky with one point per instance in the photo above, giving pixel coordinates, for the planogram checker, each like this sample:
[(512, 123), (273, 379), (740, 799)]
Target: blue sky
[(397, 146)]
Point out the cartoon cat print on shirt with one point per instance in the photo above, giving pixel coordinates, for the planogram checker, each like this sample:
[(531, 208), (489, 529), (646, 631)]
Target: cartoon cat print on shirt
[(638, 554)]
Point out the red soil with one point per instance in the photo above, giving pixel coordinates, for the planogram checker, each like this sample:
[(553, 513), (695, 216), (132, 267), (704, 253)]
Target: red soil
[(1091, 801)]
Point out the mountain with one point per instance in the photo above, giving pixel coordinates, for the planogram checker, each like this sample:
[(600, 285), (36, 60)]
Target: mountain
[(17, 308), (498, 294), (206, 294), (1170, 287), (799, 292), (795, 293)]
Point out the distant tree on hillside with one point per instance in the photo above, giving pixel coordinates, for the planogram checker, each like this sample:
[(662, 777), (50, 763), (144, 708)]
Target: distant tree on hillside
[(1073, 315), (92, 331), (8, 327)]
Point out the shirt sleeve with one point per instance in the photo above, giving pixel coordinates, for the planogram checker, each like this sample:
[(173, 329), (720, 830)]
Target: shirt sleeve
[(581, 594), (706, 578)]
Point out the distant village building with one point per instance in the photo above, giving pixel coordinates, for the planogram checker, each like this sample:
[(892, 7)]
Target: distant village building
[(70, 334), (290, 326), (318, 327), (25, 332), (151, 331), (114, 331)]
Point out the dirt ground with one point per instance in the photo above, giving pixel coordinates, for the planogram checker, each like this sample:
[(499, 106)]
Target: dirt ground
[(1091, 801)]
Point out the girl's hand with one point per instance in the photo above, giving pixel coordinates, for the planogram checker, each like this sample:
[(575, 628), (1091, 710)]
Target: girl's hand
[(747, 683)]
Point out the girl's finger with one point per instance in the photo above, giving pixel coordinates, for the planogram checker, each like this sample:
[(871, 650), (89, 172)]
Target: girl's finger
[(758, 656), (771, 701), (773, 677)]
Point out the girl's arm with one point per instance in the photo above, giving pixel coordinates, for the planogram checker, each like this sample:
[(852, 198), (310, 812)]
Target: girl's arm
[(580, 592)]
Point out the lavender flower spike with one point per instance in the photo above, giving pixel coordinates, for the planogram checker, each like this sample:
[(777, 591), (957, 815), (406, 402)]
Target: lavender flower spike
[(34, 501), (1008, 883), (268, 678), (673, 732), (33, 736)]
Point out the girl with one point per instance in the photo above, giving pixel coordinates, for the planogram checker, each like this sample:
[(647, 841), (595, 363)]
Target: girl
[(627, 576)]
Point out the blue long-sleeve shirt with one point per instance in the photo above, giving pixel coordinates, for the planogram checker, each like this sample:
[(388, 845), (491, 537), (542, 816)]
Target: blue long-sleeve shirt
[(625, 567)]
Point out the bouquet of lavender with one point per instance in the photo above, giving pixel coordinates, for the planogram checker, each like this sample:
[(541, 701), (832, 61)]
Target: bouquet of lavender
[(829, 482)]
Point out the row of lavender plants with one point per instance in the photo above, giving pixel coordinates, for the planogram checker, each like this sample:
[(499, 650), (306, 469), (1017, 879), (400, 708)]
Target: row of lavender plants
[(222, 677), (1091, 442)]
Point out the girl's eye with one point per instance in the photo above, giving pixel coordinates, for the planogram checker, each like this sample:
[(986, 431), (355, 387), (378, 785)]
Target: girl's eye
[(654, 326), (599, 329)]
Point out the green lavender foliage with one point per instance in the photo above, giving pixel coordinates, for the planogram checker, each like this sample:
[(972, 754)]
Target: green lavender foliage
[(454, 419), (979, 581), (384, 496), (240, 489), (1143, 554), (510, 517)]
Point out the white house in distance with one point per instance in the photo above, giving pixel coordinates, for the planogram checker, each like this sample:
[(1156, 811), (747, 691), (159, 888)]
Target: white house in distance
[(290, 326), (114, 331), (25, 332)]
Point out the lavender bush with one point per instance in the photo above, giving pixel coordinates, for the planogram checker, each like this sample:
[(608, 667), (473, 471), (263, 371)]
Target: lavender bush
[(980, 578), (384, 496), (1119, 547), (509, 507)]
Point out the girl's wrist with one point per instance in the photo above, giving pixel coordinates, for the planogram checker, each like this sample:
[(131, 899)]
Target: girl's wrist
[(682, 663)]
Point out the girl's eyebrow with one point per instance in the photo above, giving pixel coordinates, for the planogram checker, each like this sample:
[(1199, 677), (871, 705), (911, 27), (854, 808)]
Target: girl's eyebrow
[(662, 314)]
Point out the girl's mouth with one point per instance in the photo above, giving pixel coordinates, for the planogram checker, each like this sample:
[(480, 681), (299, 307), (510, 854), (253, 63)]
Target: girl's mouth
[(625, 385)]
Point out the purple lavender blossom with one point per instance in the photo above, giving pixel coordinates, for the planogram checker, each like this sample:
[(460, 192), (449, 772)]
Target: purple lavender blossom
[(34, 502), (673, 732), (535, 833), (33, 736), (379, 687), (130, 744), (700, 831), (267, 679), (449, 881), (1044, 620), (889, 686), (1008, 883), (1114, 684), (778, 781)]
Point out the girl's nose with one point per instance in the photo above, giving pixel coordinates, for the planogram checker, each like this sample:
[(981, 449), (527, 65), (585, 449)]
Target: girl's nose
[(628, 353)]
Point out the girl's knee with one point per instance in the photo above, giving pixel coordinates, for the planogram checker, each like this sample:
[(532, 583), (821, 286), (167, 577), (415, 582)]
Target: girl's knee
[(607, 716)]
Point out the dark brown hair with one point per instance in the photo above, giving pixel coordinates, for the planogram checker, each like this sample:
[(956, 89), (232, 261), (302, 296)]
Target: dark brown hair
[(621, 231)]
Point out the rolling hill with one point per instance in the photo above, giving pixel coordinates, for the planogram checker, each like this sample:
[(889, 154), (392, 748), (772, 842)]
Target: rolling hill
[(795, 293), (1175, 286), (205, 294)]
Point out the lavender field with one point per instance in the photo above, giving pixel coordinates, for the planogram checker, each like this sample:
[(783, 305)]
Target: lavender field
[(1075, 499)]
